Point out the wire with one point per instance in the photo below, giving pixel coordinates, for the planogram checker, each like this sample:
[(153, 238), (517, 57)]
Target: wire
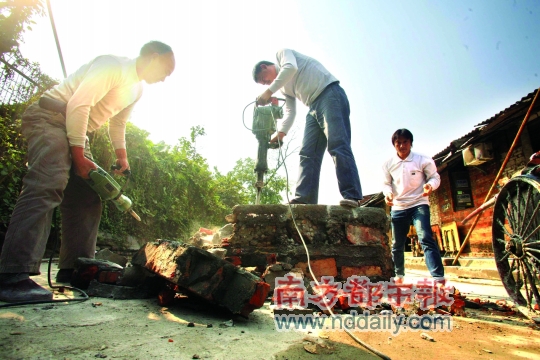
[(325, 300), (243, 112)]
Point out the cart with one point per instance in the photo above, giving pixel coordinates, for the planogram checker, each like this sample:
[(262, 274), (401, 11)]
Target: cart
[(516, 238)]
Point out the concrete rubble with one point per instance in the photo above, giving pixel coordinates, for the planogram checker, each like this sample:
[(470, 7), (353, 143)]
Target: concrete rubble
[(204, 274), (164, 268), (235, 267)]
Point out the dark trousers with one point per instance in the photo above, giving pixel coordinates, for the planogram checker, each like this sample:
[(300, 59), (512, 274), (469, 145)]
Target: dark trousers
[(328, 126), (47, 185)]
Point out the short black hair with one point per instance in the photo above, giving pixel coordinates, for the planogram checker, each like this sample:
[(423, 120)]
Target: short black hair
[(155, 47), (257, 68), (402, 133)]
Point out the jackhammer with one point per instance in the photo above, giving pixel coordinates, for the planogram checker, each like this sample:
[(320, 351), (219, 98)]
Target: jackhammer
[(108, 189), (264, 125)]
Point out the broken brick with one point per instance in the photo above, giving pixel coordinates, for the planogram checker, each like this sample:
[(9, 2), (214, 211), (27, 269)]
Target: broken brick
[(86, 270), (199, 272)]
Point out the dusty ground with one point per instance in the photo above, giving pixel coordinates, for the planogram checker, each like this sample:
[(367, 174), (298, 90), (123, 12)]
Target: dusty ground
[(141, 329)]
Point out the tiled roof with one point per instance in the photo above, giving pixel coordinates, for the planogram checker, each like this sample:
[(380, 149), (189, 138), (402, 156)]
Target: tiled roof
[(485, 127)]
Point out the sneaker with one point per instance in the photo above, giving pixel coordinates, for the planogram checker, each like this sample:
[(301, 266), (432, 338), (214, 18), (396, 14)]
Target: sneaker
[(64, 275), (350, 203), (398, 280)]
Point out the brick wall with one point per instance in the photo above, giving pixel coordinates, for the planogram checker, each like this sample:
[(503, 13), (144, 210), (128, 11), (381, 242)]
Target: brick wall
[(481, 177)]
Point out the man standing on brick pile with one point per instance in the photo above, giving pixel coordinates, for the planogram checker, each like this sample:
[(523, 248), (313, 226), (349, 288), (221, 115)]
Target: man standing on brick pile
[(409, 178), (105, 89), (327, 122)]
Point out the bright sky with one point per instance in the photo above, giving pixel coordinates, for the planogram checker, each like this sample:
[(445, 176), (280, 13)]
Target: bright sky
[(435, 67)]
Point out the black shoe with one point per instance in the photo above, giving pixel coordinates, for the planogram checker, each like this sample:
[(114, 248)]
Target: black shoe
[(64, 275), (296, 202), (24, 290), (349, 203)]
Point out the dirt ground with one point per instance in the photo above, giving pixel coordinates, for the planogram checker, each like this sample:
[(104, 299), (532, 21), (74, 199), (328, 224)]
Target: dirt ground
[(141, 329)]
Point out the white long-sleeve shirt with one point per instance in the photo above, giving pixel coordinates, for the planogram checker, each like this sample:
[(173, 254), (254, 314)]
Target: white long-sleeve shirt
[(299, 77), (105, 89), (405, 179)]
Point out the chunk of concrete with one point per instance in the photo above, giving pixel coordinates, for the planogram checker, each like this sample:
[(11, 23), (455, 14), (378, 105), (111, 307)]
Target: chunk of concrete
[(204, 274), (106, 254)]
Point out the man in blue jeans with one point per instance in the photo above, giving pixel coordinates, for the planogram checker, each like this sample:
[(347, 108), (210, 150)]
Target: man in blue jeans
[(327, 122), (409, 178)]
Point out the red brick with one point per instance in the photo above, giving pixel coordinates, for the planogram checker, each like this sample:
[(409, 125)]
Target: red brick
[(109, 277), (363, 235), (348, 271), (343, 300), (321, 267)]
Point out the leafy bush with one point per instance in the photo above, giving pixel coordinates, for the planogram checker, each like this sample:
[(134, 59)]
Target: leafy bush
[(172, 188), (12, 164)]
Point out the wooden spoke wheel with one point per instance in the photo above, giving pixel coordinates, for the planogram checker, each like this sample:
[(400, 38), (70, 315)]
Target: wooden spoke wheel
[(516, 239)]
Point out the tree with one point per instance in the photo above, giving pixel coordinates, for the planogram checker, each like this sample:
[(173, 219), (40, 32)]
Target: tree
[(243, 177), (15, 17)]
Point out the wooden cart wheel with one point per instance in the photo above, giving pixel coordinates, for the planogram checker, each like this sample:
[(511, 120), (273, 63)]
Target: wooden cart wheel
[(516, 239)]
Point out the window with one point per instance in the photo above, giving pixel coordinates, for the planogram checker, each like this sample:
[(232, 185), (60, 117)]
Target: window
[(461, 190)]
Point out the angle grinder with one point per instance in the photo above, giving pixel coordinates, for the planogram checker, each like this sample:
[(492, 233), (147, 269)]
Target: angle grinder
[(108, 189)]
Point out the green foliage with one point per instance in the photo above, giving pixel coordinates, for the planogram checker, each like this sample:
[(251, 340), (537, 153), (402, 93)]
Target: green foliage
[(15, 18), (238, 185), (12, 165), (172, 188)]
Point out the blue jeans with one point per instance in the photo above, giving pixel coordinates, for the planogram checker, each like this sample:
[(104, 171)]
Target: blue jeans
[(419, 217), (328, 126)]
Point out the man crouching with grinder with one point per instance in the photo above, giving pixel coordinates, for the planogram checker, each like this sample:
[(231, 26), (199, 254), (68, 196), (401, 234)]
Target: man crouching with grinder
[(59, 159)]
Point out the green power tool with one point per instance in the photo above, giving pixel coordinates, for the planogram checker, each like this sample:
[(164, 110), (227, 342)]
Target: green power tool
[(108, 189), (264, 125)]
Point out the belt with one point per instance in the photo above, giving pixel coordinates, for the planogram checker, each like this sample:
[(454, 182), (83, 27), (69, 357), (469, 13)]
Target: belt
[(52, 105)]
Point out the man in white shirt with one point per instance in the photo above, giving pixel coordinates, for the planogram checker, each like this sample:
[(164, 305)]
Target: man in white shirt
[(327, 122), (409, 178), (105, 89)]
